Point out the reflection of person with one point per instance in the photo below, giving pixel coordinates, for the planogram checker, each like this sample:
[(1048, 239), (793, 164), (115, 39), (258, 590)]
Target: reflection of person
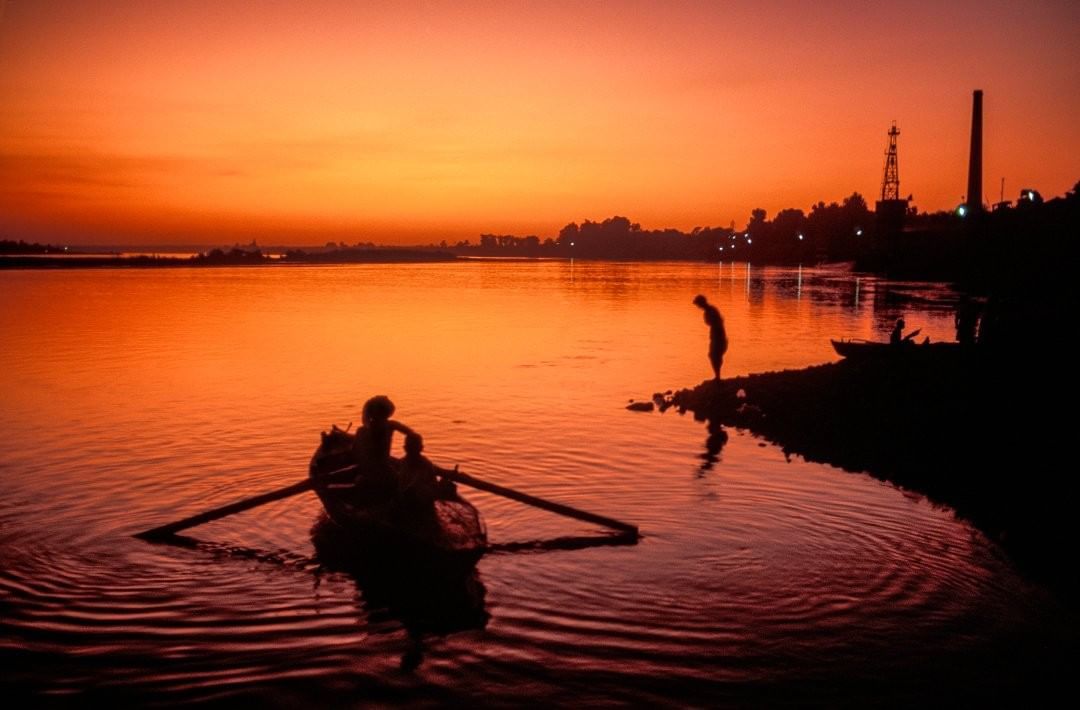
[(714, 444), (717, 335), (371, 447), (967, 315)]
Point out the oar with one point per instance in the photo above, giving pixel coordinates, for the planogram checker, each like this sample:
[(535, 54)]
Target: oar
[(455, 475), (237, 507), (552, 506)]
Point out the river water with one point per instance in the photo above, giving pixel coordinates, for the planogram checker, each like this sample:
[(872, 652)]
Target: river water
[(133, 397)]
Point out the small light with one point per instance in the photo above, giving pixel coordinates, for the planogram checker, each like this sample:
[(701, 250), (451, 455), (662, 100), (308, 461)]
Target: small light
[(1031, 196), (800, 237), (721, 248), (749, 240), (571, 244), (961, 210), (858, 232)]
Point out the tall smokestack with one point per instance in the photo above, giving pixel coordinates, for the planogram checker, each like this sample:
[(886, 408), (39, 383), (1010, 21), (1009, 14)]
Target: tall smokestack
[(974, 190)]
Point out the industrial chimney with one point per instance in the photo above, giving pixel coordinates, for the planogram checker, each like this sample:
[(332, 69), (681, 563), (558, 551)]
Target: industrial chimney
[(974, 191)]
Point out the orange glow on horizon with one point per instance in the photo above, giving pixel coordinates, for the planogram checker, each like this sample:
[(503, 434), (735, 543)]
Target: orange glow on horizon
[(209, 122)]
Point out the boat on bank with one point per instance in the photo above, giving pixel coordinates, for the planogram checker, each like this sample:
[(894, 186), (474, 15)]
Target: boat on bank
[(451, 536), (871, 349)]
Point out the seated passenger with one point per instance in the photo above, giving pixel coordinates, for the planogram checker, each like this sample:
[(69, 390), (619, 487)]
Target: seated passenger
[(417, 487), (897, 337)]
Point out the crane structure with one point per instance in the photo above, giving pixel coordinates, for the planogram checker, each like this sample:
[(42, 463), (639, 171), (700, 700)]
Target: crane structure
[(890, 183), (891, 210)]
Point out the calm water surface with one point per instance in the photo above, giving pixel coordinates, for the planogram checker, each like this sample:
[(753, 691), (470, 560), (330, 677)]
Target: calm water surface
[(132, 397)]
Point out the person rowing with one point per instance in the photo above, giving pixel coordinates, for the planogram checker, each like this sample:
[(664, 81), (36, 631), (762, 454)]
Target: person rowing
[(371, 446), (897, 337)]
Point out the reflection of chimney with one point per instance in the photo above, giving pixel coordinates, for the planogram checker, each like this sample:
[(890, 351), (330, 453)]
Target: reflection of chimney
[(974, 190)]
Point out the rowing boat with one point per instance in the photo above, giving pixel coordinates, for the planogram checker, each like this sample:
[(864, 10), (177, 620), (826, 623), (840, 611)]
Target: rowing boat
[(448, 535)]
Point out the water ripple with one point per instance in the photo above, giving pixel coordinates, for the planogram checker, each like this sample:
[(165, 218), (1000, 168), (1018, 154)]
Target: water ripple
[(170, 393)]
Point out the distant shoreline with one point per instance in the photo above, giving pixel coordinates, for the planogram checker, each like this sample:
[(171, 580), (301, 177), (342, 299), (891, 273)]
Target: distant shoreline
[(247, 259)]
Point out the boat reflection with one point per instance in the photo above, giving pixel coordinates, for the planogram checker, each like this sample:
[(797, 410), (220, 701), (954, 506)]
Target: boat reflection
[(427, 601)]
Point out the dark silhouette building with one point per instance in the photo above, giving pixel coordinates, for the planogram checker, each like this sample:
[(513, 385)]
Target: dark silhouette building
[(974, 199)]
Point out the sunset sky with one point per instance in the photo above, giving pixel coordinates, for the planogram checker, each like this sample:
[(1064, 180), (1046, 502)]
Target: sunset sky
[(212, 121)]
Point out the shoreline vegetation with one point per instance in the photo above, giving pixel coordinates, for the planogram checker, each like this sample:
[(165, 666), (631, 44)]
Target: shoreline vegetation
[(972, 430), (977, 249), (219, 257)]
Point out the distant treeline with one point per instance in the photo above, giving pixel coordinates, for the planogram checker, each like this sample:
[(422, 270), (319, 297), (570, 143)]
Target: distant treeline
[(830, 232), (8, 246), (366, 255), (1011, 242), (1003, 243), (239, 256)]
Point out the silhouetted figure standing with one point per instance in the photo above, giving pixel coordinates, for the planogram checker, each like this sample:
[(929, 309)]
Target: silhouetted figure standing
[(965, 320), (717, 335)]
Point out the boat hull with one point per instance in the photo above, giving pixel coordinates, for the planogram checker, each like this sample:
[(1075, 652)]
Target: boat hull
[(448, 537), (869, 350)]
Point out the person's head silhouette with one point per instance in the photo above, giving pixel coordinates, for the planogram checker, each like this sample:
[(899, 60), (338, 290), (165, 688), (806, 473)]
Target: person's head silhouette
[(414, 445), (378, 409)]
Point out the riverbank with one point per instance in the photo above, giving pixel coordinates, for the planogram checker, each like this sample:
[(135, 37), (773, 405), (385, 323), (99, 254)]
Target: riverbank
[(236, 257), (973, 432)]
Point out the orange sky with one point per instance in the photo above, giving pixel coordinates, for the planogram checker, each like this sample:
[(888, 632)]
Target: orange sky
[(214, 121)]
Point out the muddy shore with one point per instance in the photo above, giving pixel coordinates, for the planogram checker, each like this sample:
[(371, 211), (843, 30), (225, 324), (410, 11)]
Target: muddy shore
[(963, 430)]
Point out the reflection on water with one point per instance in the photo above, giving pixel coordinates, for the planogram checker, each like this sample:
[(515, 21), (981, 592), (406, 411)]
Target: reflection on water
[(714, 444), (132, 398), (424, 601)]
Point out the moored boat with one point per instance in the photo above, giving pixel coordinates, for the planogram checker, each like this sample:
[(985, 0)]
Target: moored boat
[(449, 536), (869, 349)]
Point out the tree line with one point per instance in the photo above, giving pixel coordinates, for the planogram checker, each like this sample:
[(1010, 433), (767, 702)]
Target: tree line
[(830, 232)]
